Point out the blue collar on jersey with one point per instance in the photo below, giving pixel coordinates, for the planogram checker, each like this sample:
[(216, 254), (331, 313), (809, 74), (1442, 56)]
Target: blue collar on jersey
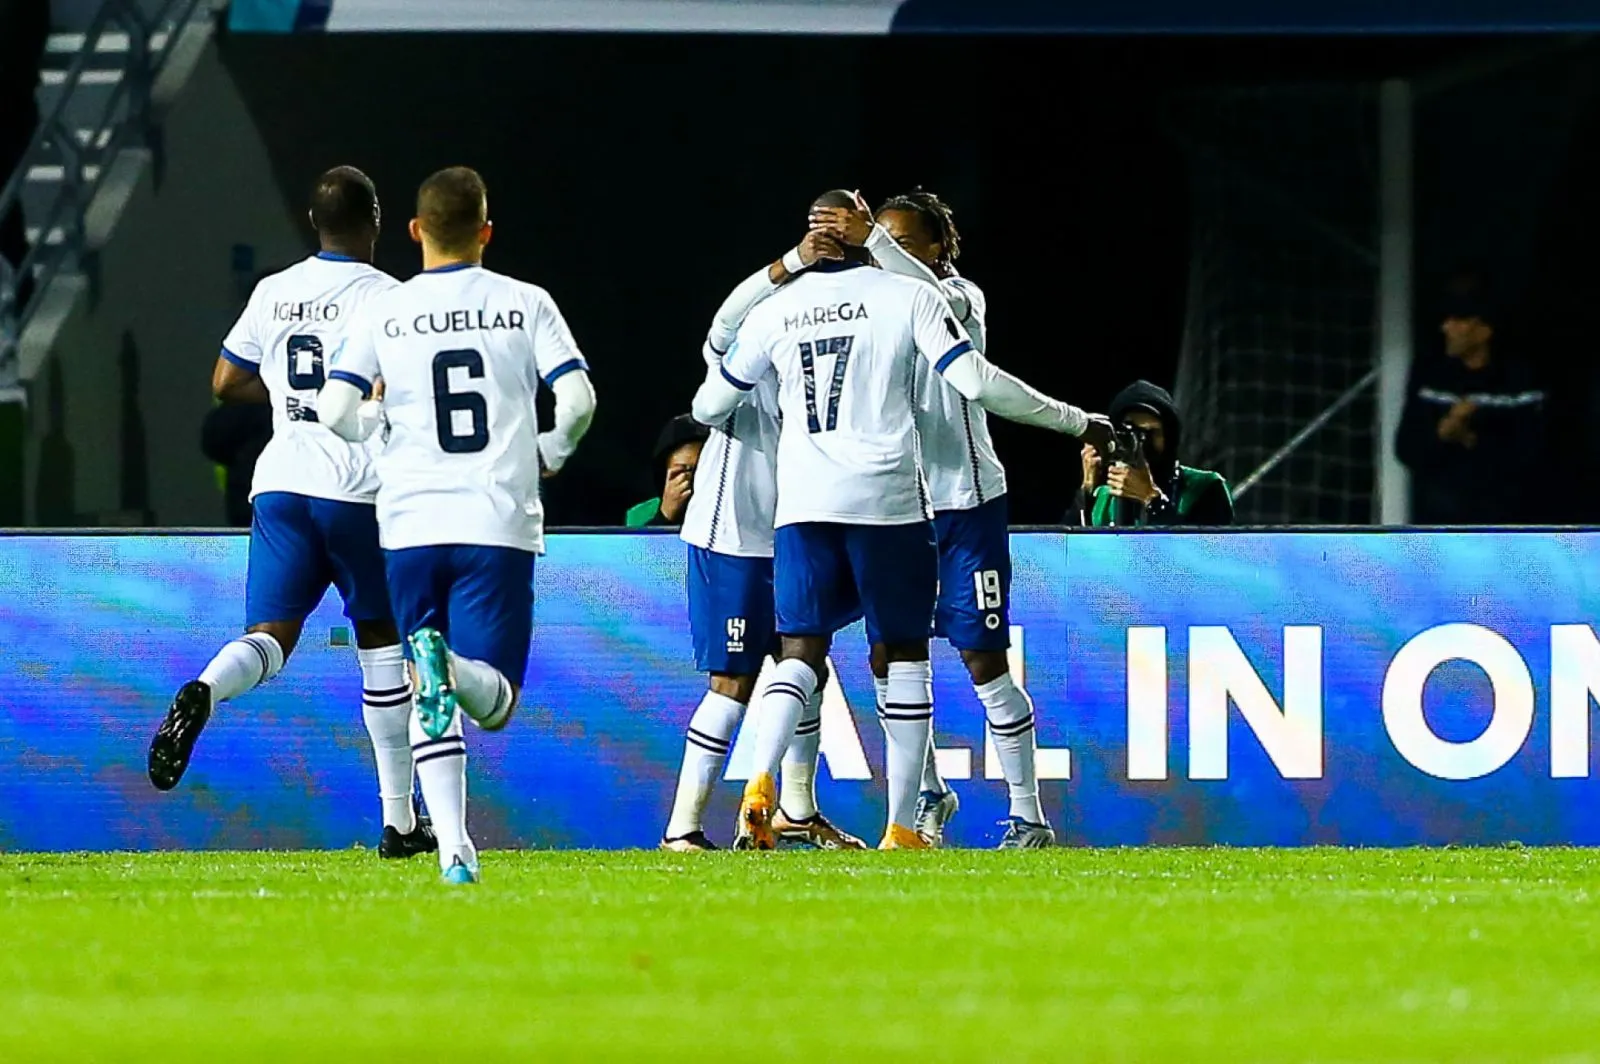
[(334, 256), (454, 266), (834, 267)]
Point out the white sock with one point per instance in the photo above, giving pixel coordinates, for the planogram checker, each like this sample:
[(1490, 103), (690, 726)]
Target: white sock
[(705, 750), (798, 795), (778, 713), (484, 694), (249, 661), (1010, 713), (442, 771), (386, 709), (907, 722), (931, 780)]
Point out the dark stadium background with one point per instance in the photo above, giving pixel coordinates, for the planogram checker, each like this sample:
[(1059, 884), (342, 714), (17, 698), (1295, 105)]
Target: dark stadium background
[(639, 178)]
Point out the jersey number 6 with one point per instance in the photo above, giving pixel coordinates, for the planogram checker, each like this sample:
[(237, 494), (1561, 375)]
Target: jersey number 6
[(446, 404)]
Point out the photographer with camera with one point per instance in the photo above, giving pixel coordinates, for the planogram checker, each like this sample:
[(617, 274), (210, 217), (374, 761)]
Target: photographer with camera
[(1142, 483)]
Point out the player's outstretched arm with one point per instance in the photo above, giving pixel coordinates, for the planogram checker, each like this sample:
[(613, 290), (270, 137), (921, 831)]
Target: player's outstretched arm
[(740, 302), (759, 285), (575, 405), (1010, 397), (718, 396), (945, 343), (896, 259), (730, 381)]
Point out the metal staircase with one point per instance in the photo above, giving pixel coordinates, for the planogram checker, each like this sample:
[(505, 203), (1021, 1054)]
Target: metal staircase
[(110, 68)]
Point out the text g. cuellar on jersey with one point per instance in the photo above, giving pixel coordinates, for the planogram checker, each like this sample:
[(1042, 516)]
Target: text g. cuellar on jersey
[(479, 319)]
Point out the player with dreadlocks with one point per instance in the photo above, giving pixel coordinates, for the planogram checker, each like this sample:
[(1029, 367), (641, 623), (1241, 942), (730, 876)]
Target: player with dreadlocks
[(915, 235)]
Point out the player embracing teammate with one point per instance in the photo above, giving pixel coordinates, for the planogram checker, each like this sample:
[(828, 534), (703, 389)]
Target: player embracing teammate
[(915, 236), (729, 531), (846, 345)]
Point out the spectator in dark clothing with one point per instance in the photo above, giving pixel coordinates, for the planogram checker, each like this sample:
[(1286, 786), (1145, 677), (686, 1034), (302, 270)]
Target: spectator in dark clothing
[(24, 30), (1150, 487), (233, 436), (676, 457), (1473, 429)]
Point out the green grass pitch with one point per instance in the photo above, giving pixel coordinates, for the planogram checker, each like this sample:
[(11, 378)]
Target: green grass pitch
[(1072, 955)]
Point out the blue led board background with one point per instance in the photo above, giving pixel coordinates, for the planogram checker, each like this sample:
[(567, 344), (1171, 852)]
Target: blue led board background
[(1242, 688)]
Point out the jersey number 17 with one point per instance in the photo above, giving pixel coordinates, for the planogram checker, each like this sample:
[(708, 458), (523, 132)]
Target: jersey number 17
[(839, 347)]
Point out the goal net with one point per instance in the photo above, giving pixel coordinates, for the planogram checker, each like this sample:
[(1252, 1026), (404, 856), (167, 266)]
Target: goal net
[(1281, 320)]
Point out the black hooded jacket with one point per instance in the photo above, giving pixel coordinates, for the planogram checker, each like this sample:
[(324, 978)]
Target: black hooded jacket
[(1194, 496)]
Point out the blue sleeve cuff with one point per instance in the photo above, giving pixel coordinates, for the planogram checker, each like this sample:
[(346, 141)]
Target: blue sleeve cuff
[(352, 378), (951, 355), (242, 363), (565, 368), (735, 381)]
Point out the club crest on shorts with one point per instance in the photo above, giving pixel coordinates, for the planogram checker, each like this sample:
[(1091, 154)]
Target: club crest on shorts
[(736, 630)]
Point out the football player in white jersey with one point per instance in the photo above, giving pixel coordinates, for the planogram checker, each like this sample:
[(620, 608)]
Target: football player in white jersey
[(915, 235), (462, 352), (728, 527), (854, 530), (312, 500)]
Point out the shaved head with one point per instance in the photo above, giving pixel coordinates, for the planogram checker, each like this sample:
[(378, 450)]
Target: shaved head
[(837, 197), (842, 197)]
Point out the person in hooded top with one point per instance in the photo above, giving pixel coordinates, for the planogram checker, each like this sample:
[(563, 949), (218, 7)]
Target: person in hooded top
[(1154, 487)]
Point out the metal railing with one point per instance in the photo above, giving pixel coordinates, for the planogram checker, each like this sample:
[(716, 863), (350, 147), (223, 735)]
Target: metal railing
[(83, 148)]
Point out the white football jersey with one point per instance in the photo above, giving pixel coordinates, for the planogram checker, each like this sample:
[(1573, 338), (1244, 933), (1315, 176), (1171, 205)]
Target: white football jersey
[(958, 454), (735, 484), (294, 321), (845, 343), (461, 351)]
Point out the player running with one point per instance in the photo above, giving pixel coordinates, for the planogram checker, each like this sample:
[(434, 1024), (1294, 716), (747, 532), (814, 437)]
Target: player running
[(312, 496), (461, 351), (728, 527), (854, 532), (915, 235)]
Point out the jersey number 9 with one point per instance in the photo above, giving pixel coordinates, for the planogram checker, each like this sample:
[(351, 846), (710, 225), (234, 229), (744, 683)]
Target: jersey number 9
[(446, 403), (305, 363)]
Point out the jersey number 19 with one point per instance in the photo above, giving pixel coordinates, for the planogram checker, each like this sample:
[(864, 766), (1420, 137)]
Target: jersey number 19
[(447, 404)]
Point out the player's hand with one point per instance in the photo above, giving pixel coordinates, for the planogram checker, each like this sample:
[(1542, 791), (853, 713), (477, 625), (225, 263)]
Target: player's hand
[(1091, 468), (546, 469), (820, 246), (1099, 434), (676, 495), (853, 225), (1131, 482), (377, 390)]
